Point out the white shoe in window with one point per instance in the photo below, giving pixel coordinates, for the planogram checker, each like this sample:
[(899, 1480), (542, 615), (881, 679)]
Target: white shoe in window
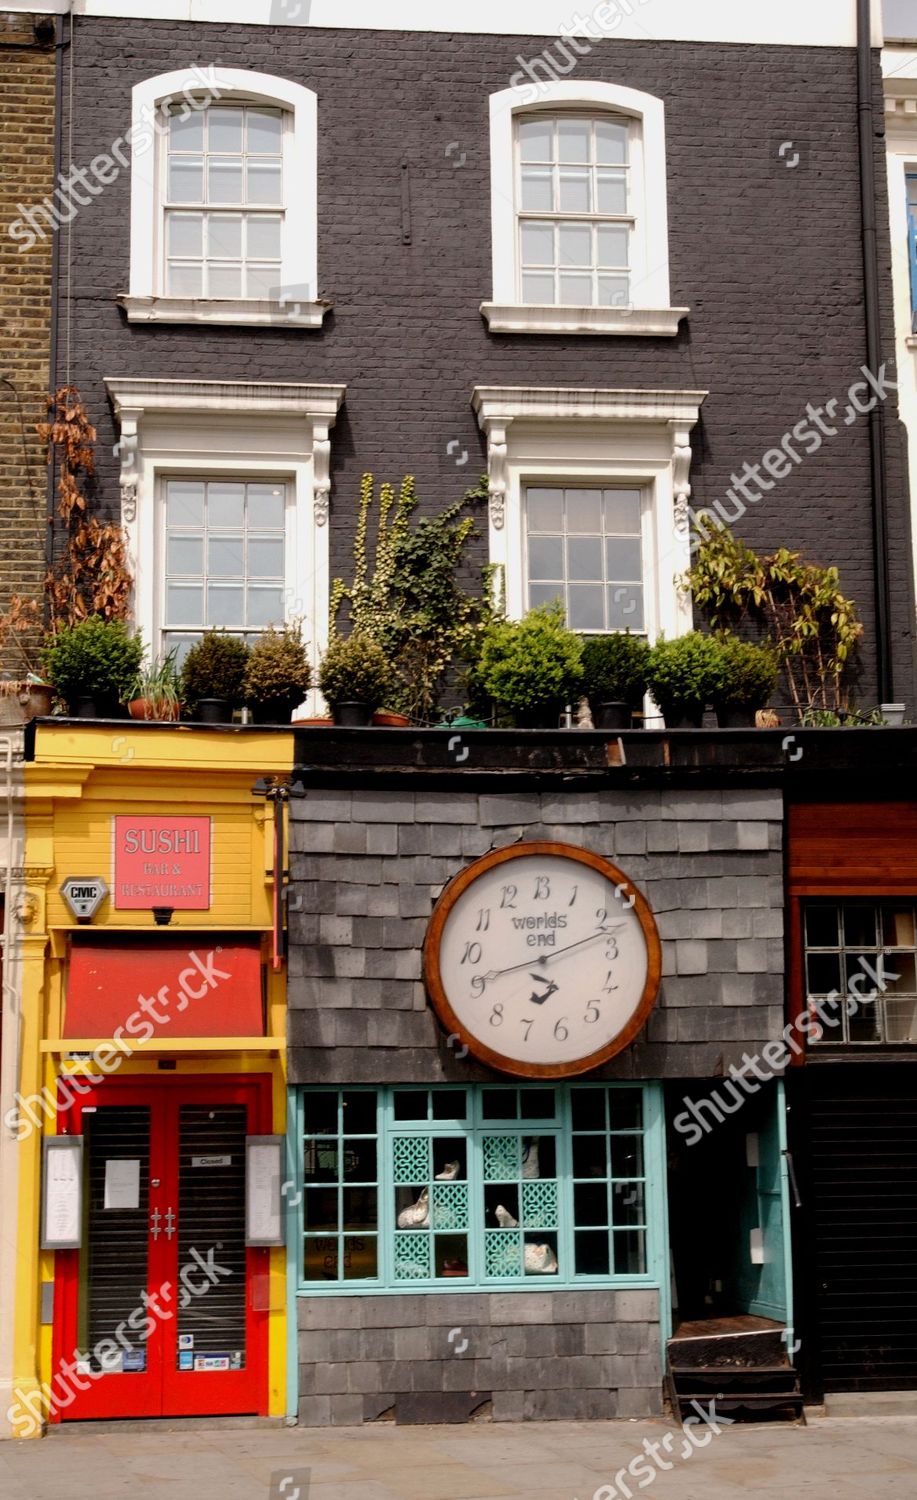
[(450, 1171), (504, 1218), (539, 1260), (418, 1214), (530, 1160)]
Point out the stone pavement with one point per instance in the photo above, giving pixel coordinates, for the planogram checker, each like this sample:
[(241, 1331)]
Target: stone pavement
[(831, 1459)]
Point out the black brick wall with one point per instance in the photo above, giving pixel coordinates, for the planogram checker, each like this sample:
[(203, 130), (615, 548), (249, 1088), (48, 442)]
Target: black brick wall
[(767, 257)]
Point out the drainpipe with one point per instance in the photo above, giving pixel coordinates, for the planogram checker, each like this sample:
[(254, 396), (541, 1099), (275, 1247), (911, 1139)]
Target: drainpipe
[(62, 43), (878, 468)]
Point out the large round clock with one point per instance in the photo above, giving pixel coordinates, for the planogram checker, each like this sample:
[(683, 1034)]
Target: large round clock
[(543, 959)]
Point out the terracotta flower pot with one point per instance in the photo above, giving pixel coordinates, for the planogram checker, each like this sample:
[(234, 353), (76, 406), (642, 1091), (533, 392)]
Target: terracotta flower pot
[(148, 708), (391, 721)]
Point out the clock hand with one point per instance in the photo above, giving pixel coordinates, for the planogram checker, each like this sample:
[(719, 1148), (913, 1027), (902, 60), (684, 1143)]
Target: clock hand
[(544, 958), (551, 990)]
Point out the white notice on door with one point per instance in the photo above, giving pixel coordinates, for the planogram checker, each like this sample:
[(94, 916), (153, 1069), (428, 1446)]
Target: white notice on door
[(122, 1184)]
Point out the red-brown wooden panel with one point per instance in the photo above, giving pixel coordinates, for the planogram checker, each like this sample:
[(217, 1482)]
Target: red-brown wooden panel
[(855, 848)]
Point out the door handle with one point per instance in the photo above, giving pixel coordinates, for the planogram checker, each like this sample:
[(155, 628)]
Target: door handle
[(170, 1223), (155, 1217)]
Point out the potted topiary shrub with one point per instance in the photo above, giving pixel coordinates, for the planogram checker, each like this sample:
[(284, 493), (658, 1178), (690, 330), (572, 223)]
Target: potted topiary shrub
[(749, 676), (92, 665), (155, 691), (614, 677), (355, 677), (685, 675), (532, 667), (212, 677), (277, 676)]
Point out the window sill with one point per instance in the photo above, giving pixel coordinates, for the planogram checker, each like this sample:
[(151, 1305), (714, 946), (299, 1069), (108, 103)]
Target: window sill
[(252, 312), (628, 322)]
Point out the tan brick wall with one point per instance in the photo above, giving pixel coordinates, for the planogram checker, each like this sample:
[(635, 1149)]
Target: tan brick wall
[(26, 177)]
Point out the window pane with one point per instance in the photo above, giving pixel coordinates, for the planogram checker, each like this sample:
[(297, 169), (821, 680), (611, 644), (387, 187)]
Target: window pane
[(585, 607), (630, 1253), (359, 1112), (592, 1253), (449, 1104), (186, 179), (613, 245), (575, 191), (320, 1258), (265, 558), (897, 924), (584, 510), (535, 143), (262, 281), (584, 559), (359, 1208), (863, 1025), (859, 926), (224, 280), (622, 512), (359, 1160), (611, 142), (612, 192), (537, 188), (575, 291), (225, 129), (625, 1107), (590, 1203), (263, 181), (623, 558), (411, 1104), (187, 134), (546, 557), (224, 236), (588, 1109), (184, 604), (185, 280), (186, 234), (538, 288), (901, 1020), (225, 179), (265, 129), (545, 510), (822, 927), (625, 607), (573, 140), (225, 606), (265, 607), (626, 1155), (266, 505), (823, 973), (321, 1112), (225, 504), (537, 244), (614, 291), (575, 244), (360, 1257), (902, 965), (263, 236), (185, 502), (544, 593), (225, 557), (320, 1209), (185, 554)]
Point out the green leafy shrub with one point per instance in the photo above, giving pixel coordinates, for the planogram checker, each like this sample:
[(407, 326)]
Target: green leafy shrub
[(214, 668), (278, 672), (686, 673), (94, 658), (531, 664), (355, 669), (614, 668), (749, 674)]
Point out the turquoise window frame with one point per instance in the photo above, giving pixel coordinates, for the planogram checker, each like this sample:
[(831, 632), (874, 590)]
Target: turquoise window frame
[(472, 1131), (911, 191)]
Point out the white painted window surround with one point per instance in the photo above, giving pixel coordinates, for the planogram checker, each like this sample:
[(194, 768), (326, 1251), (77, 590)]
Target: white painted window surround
[(185, 429), (637, 440), (297, 300), (648, 313)]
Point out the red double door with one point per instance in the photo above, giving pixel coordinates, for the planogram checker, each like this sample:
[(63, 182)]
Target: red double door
[(162, 1311)]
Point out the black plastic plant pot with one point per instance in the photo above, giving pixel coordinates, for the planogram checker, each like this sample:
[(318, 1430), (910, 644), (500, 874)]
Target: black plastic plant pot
[(684, 716), (353, 715), (85, 707), (612, 715), (214, 711)]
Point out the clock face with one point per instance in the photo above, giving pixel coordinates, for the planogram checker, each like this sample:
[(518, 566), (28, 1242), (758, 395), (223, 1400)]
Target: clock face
[(543, 958)]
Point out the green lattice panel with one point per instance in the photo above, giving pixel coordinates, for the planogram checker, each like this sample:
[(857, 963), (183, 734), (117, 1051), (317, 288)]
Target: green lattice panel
[(502, 1158), (449, 1209), (502, 1252), (412, 1257), (411, 1159), (539, 1204)]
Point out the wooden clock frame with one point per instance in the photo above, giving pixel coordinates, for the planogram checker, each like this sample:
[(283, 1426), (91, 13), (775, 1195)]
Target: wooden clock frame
[(433, 975)]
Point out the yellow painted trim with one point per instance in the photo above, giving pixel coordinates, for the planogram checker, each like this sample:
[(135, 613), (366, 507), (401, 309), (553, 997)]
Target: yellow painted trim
[(162, 1046)]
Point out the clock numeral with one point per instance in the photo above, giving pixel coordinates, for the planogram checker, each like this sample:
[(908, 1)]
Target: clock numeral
[(542, 888), (573, 897), (611, 949), (601, 919), (609, 984), (528, 1026), (483, 920), (472, 954), (478, 984), (508, 896), (560, 1031), (592, 1012), (496, 1015)]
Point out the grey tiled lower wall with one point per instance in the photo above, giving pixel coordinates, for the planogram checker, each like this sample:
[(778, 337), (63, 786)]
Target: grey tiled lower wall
[(505, 1355)]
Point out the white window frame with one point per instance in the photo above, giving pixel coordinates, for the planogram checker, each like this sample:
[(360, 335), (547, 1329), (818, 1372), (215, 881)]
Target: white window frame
[(208, 429), (298, 303), (580, 437), (649, 313), (645, 534)]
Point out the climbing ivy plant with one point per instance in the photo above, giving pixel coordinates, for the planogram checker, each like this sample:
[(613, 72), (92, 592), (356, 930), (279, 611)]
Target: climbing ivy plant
[(407, 591)]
